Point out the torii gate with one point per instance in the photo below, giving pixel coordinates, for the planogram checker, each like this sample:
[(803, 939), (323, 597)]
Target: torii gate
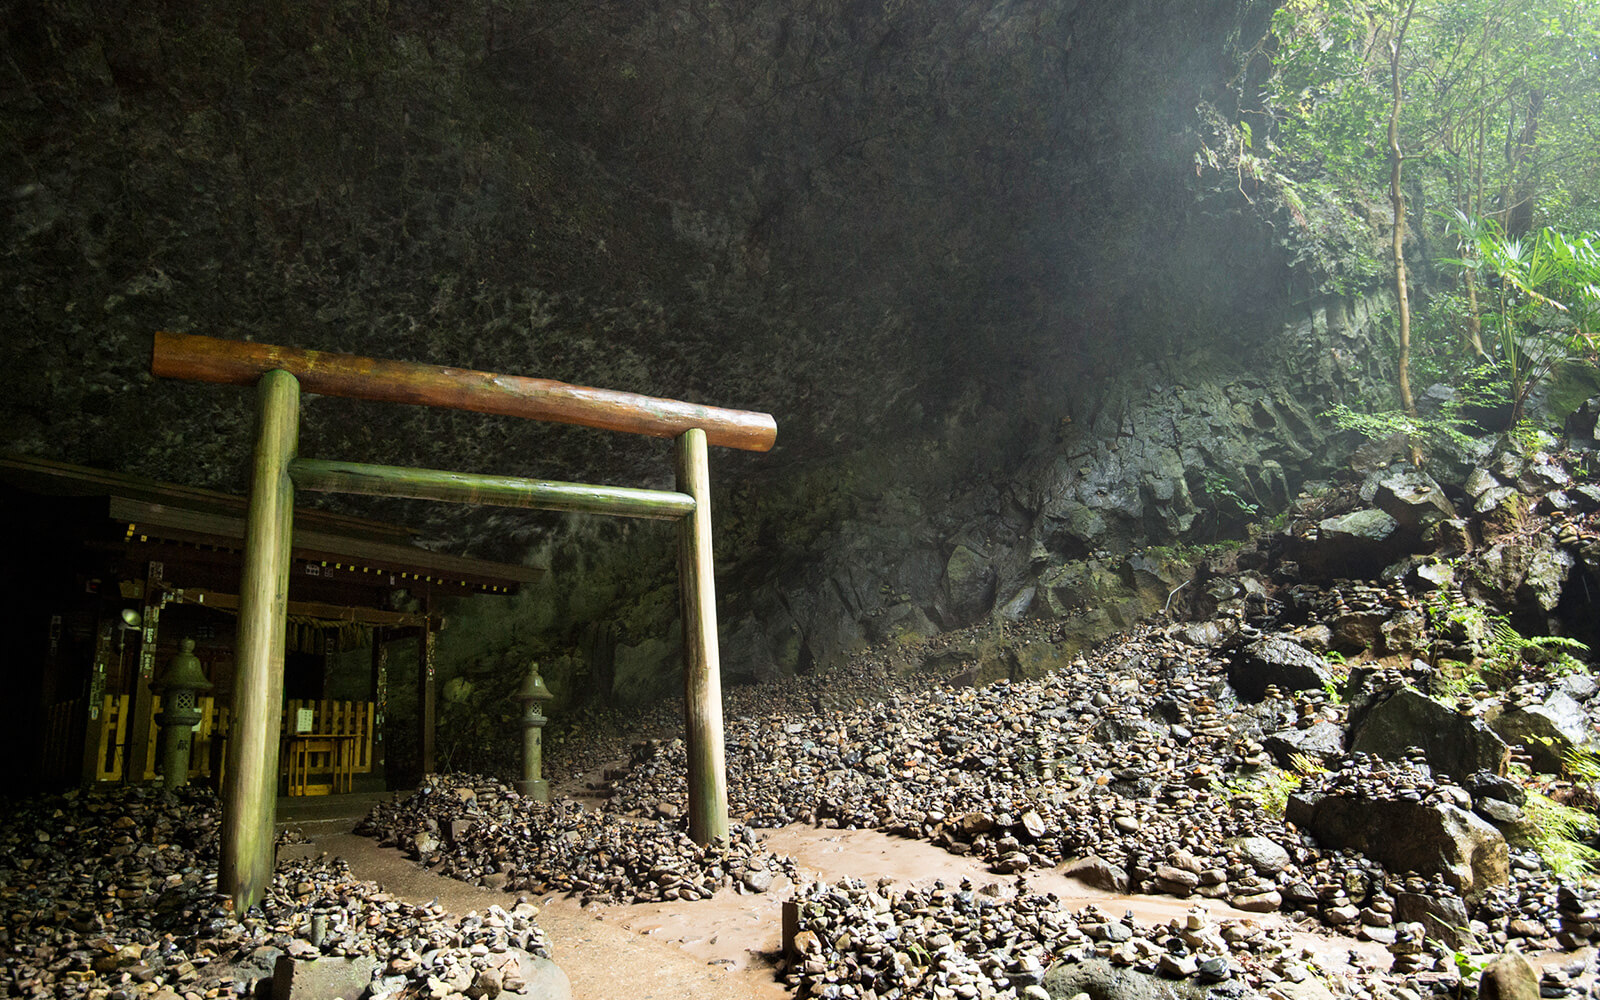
[(279, 373)]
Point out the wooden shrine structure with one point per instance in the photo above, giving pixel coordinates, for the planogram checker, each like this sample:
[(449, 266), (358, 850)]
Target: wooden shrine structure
[(105, 573), (279, 374)]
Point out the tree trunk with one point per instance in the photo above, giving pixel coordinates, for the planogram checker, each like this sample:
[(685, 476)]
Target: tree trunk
[(1397, 200), (1474, 321)]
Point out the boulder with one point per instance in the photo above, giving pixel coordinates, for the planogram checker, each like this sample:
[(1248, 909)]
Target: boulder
[(1425, 837), (1544, 472), (1480, 481), (1444, 916), (1584, 497), (900, 624), (1546, 732), (1526, 571), (1581, 421), (1100, 979), (1387, 724), (1356, 544), (1309, 988), (1406, 633), (1578, 687), (1275, 660), (1266, 856), (1098, 873), (747, 654), (1509, 977), (1514, 824), (1499, 505), (1488, 785), (1450, 537), (968, 587), (320, 978), (1321, 743), (1412, 498), (542, 979)]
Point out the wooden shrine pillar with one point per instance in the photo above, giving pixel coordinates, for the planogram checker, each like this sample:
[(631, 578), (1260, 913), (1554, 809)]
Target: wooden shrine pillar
[(702, 669), (136, 758), (96, 695), (380, 698), (694, 427), (427, 696), (250, 794)]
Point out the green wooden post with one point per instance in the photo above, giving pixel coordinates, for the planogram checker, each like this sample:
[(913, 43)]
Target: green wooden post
[(251, 796), (702, 671)]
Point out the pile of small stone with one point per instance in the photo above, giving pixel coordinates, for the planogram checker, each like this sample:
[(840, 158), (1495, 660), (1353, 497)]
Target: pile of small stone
[(314, 908), (1140, 767), (112, 894), (1024, 775), (479, 830), (943, 941)]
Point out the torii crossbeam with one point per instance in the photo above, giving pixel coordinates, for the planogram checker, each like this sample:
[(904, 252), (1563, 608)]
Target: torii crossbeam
[(279, 374)]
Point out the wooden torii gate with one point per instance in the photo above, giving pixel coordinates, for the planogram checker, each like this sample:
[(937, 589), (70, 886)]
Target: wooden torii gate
[(279, 374)]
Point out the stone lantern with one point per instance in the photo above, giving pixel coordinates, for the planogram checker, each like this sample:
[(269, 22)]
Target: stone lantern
[(178, 684), (534, 695)]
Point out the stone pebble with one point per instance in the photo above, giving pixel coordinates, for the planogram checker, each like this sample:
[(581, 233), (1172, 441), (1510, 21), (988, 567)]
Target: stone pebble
[(111, 894)]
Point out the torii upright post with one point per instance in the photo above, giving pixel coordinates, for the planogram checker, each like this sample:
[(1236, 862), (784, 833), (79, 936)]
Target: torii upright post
[(282, 372), (250, 798), (702, 670)]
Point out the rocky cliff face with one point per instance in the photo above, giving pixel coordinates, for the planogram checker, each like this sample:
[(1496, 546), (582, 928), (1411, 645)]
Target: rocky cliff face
[(990, 269)]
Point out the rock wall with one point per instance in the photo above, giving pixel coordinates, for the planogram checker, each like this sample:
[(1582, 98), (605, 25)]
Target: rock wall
[(1087, 526), (1099, 521), (972, 260)]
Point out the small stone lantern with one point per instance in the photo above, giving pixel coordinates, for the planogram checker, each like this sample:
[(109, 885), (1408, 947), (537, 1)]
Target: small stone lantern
[(178, 684), (534, 695)]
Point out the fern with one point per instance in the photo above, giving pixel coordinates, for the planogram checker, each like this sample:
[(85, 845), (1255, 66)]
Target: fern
[(1442, 433), (1557, 837), (1583, 764), (1511, 648)]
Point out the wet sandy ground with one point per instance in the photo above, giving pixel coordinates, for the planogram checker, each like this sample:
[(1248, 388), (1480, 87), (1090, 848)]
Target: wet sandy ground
[(730, 945)]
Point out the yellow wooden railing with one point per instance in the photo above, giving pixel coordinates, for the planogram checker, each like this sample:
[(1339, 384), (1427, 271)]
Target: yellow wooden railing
[(343, 718)]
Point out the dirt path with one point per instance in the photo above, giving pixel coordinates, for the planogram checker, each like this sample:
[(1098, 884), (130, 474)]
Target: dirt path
[(730, 945)]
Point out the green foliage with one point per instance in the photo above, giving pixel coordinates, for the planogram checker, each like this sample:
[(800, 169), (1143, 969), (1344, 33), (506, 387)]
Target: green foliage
[(1543, 300), (1502, 652), (1510, 648), (1444, 432), (1559, 832), (1225, 498), (1454, 679), (1497, 113), (1326, 94), (1583, 764), (1270, 789)]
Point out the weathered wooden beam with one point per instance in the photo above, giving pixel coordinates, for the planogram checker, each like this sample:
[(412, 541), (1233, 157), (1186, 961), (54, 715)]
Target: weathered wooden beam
[(702, 670), (377, 617), (499, 491), (250, 794), (208, 359)]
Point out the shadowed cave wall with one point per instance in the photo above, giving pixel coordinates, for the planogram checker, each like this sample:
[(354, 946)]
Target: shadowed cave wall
[(986, 264)]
